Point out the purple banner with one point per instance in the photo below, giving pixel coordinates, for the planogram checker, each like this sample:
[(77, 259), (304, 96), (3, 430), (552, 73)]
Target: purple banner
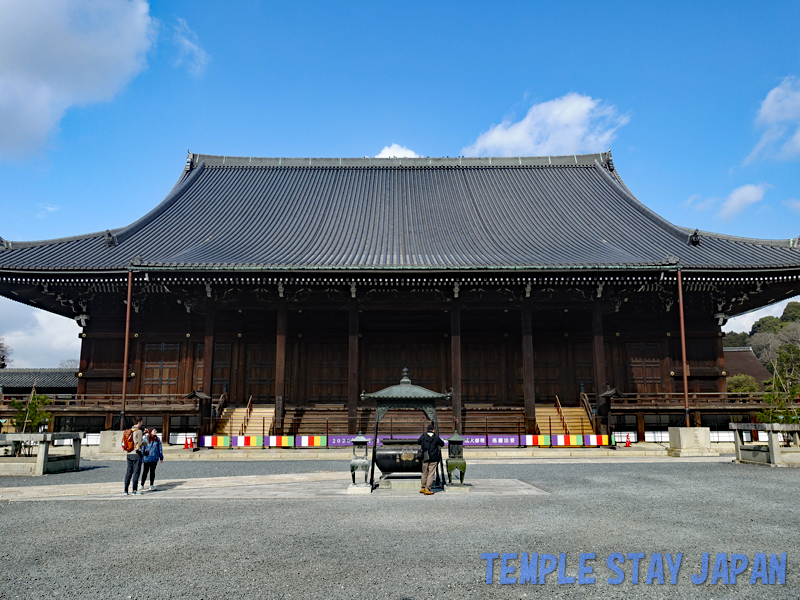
[(474, 440), (503, 439), (347, 439)]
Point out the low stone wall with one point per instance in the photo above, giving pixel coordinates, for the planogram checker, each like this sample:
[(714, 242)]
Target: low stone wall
[(43, 462)]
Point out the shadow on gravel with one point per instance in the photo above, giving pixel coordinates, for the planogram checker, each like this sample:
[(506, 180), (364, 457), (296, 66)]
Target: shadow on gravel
[(169, 486)]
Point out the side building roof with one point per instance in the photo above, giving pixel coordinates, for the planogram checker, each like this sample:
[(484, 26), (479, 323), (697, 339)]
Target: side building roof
[(273, 214), (44, 379)]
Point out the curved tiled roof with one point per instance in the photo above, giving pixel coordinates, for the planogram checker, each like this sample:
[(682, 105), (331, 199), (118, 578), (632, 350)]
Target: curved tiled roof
[(42, 378), (435, 214)]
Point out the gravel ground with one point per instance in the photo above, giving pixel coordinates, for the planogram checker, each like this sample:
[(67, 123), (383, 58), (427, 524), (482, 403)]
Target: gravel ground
[(401, 547)]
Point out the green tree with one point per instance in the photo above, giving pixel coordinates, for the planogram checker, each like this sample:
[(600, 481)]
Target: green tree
[(742, 383), (31, 415), (768, 324), (783, 390), (765, 345), (735, 340), (791, 312), (5, 353)]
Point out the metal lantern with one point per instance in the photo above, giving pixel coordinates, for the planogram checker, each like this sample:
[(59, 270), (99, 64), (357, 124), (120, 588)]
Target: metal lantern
[(359, 460), (455, 460)]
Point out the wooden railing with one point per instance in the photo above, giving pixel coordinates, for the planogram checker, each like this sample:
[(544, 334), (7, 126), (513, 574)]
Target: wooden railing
[(218, 408), (109, 401), (587, 406), (561, 416), (403, 425), (696, 399), (247, 413)]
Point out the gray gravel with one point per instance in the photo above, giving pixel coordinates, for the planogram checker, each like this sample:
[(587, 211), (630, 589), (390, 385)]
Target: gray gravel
[(401, 547)]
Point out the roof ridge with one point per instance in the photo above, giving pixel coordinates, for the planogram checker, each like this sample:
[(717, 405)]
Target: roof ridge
[(38, 370), (640, 206), (212, 160), (778, 243)]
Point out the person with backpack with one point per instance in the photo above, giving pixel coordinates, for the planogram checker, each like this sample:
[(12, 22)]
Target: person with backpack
[(132, 444), (431, 455), (151, 455)]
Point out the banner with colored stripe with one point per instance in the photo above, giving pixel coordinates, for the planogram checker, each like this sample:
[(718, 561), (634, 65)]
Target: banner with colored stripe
[(567, 440), (311, 441), (535, 440), (247, 441), (216, 441), (280, 441), (596, 440)]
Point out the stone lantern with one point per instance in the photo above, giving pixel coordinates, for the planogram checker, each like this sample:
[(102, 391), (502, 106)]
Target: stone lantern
[(455, 457), (359, 460)]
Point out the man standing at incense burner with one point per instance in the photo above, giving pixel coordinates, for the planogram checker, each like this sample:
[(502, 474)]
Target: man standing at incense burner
[(431, 455)]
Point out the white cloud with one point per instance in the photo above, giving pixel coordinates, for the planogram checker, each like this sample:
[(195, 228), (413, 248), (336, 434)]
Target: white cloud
[(793, 204), (697, 202), (745, 322), (396, 151), (741, 198), (566, 125), (42, 210), (55, 54), (38, 339), (779, 115), (190, 54)]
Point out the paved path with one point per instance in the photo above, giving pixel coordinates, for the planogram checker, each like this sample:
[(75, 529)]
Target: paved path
[(295, 485), (643, 449), (232, 536)]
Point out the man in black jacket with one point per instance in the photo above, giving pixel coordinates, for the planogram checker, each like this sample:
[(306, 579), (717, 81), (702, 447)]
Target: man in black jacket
[(431, 455)]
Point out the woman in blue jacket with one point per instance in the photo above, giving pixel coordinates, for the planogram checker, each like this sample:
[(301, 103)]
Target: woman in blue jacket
[(151, 455)]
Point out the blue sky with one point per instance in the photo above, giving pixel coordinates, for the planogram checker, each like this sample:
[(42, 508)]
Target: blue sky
[(99, 102)]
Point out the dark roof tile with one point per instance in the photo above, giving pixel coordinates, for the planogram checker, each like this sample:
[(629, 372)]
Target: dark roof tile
[(433, 213)]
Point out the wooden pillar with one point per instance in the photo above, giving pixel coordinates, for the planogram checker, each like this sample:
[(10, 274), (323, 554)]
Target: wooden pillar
[(352, 370), (528, 381), (126, 351), (455, 363), (599, 356), (722, 381), (208, 372), (280, 368), (640, 426), (684, 363), (165, 429)]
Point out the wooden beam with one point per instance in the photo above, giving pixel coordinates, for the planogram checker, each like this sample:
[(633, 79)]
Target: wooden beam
[(352, 370), (529, 388), (599, 357), (455, 363), (640, 426), (126, 350), (722, 382), (683, 348), (280, 368), (208, 371)]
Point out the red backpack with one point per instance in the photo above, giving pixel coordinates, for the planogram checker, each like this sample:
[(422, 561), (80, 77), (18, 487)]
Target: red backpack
[(127, 440)]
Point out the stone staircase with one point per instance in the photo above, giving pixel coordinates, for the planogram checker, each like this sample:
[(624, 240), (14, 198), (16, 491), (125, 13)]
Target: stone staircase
[(577, 420), (232, 418)]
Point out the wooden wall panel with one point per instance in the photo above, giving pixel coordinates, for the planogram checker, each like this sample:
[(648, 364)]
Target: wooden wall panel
[(161, 372), (547, 366), (480, 376), (260, 372), (644, 367), (386, 362), (326, 380)]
